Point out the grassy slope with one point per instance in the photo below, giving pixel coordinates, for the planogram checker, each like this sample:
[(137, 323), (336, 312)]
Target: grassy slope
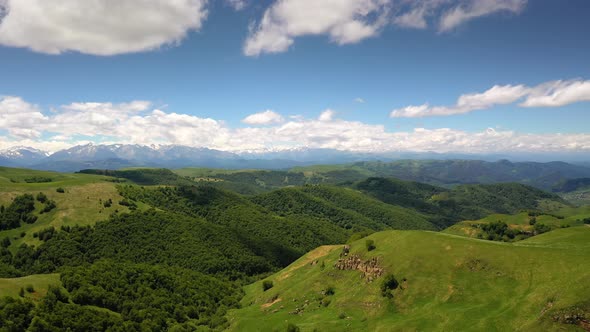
[(40, 282), (453, 283), (78, 205), (573, 216)]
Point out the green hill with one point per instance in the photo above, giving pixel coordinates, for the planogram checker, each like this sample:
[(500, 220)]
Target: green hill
[(343, 206), (148, 249), (446, 282), (455, 172)]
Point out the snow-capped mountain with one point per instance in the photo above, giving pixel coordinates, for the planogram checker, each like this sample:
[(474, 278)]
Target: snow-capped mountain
[(21, 156), (139, 153), (115, 156)]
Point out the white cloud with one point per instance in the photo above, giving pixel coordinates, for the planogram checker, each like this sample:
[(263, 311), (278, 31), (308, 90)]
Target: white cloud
[(263, 118), (344, 21), (359, 100), (476, 8), (415, 18), (20, 118), (237, 4), (549, 94), (99, 27), (350, 21), (136, 122), (558, 93), (327, 115)]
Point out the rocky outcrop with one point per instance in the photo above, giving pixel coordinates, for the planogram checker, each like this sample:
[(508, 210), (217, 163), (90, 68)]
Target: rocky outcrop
[(370, 268)]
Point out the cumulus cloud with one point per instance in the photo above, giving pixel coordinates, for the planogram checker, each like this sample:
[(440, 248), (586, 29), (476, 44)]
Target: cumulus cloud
[(359, 100), (344, 21), (139, 123), (327, 115), (98, 27), (351, 21), (20, 118), (263, 118), (549, 94)]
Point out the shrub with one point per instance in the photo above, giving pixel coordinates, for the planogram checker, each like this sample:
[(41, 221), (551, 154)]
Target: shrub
[(60, 190), (266, 285), (108, 203), (388, 284), (329, 291), (29, 288), (541, 228), (21, 292), (41, 197), (342, 315), (293, 328), (532, 221), (370, 245), (5, 243), (49, 205)]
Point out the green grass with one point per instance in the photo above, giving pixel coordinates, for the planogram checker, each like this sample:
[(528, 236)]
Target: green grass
[(40, 282), (453, 283), (80, 204), (571, 216)]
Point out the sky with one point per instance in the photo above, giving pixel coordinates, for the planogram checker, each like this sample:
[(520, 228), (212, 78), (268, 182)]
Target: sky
[(468, 76)]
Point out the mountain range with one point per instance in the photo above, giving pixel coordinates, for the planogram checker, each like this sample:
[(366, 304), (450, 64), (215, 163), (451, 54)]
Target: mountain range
[(115, 156)]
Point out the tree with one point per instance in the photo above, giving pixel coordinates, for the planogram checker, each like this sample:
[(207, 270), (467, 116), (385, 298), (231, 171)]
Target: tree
[(41, 197), (370, 245), (266, 285), (388, 284)]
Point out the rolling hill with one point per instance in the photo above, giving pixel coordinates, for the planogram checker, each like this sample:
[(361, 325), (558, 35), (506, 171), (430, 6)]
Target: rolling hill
[(148, 249), (444, 282)]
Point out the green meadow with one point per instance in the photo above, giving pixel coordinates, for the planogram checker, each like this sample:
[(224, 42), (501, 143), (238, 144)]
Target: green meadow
[(81, 203), (447, 283)]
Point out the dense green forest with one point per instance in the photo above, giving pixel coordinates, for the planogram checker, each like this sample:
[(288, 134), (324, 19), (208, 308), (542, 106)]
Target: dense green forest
[(179, 258)]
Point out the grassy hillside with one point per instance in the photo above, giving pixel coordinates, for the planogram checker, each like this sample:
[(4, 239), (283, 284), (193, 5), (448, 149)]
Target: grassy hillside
[(81, 203), (446, 282), (523, 221), (34, 286)]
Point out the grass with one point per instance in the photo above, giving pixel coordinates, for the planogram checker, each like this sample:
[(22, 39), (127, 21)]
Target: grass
[(453, 283), (80, 204), (563, 216), (40, 282)]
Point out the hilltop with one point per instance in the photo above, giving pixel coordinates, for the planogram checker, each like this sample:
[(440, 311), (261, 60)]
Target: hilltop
[(444, 282)]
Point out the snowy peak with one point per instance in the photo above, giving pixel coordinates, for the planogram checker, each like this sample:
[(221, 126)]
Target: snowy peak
[(22, 155)]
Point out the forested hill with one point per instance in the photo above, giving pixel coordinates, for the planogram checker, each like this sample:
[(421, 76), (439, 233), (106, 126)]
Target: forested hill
[(446, 173), (454, 172), (147, 249)]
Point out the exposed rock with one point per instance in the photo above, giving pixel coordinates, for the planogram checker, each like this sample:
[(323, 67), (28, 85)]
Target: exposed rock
[(370, 268)]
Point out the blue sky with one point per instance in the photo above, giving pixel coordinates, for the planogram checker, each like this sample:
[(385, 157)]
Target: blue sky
[(209, 72)]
